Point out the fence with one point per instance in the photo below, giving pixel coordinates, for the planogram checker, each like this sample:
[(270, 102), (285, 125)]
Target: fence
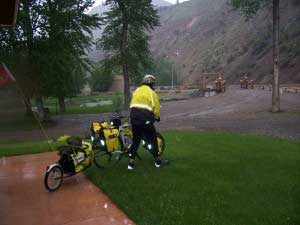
[(283, 89)]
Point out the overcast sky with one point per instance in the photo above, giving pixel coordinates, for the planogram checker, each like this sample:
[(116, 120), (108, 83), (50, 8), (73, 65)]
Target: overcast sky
[(98, 2)]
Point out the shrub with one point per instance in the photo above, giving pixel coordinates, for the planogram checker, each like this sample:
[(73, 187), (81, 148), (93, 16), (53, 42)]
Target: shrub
[(101, 79)]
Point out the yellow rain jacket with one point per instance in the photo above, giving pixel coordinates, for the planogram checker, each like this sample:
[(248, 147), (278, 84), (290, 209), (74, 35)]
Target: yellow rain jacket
[(146, 98)]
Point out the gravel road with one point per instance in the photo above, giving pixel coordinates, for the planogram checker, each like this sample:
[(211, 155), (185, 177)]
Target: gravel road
[(237, 110)]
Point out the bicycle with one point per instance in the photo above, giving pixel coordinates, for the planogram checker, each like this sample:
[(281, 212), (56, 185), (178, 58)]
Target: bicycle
[(120, 133)]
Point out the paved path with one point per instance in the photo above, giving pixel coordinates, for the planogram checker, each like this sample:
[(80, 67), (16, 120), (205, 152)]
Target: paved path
[(25, 201)]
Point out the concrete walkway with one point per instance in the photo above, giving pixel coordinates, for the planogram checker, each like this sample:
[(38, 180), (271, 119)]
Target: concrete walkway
[(25, 201)]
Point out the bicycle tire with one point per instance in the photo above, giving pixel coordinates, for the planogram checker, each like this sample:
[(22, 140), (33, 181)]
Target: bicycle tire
[(55, 176), (161, 143), (104, 159)]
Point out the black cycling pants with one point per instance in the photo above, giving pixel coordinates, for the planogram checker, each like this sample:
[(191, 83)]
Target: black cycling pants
[(140, 131)]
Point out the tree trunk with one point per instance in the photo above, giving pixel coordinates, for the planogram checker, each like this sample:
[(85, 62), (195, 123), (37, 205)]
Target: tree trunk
[(61, 103), (126, 86), (124, 53), (27, 104), (275, 89), (40, 108), (28, 26)]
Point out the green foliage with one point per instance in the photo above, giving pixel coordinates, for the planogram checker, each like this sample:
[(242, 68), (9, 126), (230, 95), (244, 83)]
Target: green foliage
[(46, 49), (101, 79), (69, 29), (213, 178), (163, 72), (19, 46), (126, 35), (249, 7)]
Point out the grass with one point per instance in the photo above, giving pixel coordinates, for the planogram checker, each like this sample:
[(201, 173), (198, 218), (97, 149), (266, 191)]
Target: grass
[(286, 114), (17, 121), (213, 178), (29, 147), (87, 110), (73, 104), (82, 99)]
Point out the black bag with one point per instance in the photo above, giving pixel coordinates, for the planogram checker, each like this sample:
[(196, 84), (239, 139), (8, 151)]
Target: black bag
[(66, 160)]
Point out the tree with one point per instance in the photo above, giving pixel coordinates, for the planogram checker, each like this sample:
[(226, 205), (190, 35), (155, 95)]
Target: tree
[(47, 48), (101, 78), (69, 36), (163, 70), (249, 8), (125, 38), (19, 50)]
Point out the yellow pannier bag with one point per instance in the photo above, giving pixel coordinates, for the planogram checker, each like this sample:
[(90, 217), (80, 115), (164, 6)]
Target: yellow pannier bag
[(83, 158), (97, 126), (111, 139)]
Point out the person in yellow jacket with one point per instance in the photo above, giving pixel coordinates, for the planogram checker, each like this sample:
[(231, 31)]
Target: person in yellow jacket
[(144, 111)]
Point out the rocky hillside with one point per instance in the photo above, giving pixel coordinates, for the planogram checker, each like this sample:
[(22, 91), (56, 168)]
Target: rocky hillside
[(96, 55), (206, 36)]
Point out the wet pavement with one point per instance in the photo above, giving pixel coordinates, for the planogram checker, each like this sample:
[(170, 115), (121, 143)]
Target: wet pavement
[(25, 201)]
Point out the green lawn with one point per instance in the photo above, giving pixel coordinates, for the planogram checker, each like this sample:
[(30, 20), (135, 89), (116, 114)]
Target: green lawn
[(82, 99), (17, 121), (87, 110), (73, 104), (286, 114), (213, 179), (29, 147)]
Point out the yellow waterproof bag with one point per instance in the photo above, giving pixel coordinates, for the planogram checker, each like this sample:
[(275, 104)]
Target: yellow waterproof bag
[(111, 139)]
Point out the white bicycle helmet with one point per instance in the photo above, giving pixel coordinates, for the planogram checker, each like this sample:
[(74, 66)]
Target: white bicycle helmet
[(149, 79)]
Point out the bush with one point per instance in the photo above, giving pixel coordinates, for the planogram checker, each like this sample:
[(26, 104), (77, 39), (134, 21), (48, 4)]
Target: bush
[(163, 72), (101, 79)]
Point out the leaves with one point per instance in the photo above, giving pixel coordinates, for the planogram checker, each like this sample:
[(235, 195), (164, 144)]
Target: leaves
[(249, 7), (52, 37), (140, 17)]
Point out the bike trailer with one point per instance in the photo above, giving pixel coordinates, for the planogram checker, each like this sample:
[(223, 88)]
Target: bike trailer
[(75, 156), (105, 136)]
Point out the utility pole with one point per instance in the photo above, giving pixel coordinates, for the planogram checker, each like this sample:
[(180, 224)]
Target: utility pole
[(177, 2), (172, 76)]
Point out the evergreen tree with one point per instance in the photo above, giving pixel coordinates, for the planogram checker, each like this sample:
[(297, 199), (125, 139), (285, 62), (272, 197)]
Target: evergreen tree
[(249, 8), (125, 38)]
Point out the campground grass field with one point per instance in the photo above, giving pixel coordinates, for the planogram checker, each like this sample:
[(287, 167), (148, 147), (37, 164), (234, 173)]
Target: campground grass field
[(29, 147), (73, 104), (213, 179)]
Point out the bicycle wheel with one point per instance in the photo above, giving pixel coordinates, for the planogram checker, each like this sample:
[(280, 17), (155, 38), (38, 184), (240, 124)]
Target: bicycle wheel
[(53, 178), (103, 159), (161, 143)]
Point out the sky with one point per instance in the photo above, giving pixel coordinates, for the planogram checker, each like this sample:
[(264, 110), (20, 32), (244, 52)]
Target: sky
[(98, 2)]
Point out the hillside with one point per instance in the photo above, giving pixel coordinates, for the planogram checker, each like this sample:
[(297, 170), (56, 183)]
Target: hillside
[(207, 36), (96, 55), (203, 36)]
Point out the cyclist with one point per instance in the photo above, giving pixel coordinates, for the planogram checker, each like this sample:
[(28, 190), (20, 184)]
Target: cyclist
[(144, 111)]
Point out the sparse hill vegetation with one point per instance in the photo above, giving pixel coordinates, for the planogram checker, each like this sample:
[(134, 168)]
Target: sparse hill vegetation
[(209, 36), (204, 36)]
